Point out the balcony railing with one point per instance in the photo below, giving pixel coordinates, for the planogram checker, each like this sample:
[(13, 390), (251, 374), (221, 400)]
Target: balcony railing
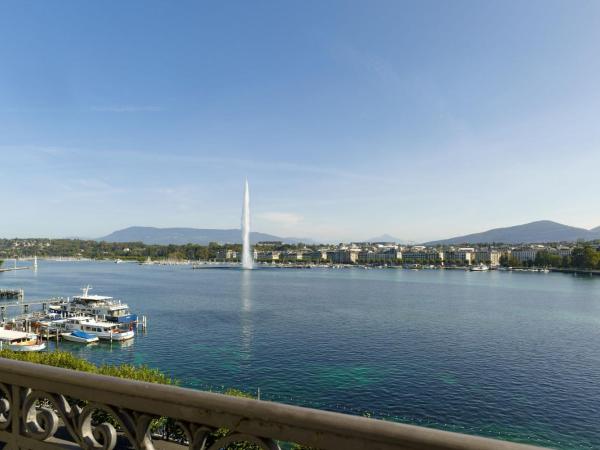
[(44, 407)]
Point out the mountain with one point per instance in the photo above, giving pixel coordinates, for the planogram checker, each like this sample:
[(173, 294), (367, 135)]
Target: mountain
[(180, 236), (540, 231), (385, 238)]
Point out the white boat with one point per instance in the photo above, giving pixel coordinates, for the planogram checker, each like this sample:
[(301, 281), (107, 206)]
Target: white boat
[(103, 330), (101, 306), (19, 341), (479, 268), (80, 337)]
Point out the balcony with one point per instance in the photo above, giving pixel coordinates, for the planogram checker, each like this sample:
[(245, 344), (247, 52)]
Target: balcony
[(43, 407)]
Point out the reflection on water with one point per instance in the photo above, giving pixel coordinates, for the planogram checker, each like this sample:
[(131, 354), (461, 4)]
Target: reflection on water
[(247, 326)]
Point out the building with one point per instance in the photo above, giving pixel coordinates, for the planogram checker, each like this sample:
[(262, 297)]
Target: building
[(488, 256), (460, 256), (564, 251), (343, 256), (291, 256), (227, 255), (315, 256), (384, 256), (524, 255), (267, 256), (421, 254)]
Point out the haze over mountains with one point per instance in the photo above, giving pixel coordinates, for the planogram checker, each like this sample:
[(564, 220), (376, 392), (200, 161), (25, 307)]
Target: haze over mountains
[(533, 232), (181, 236)]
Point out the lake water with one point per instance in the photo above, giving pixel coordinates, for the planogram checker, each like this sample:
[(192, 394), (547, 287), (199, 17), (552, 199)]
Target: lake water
[(509, 355)]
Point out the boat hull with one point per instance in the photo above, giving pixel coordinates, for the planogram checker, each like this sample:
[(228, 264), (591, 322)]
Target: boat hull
[(27, 348), (79, 340), (122, 336)]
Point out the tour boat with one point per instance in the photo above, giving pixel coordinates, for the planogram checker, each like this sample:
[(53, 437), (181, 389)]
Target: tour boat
[(101, 306), (103, 330), (80, 337), (19, 341)]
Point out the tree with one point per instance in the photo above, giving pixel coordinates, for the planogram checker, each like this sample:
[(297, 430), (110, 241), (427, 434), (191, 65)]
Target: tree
[(585, 257)]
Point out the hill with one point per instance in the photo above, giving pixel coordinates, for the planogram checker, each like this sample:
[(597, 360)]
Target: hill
[(540, 231), (180, 236)]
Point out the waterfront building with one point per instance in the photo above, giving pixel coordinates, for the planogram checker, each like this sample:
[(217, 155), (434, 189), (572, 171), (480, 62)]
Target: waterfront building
[(461, 255), (488, 256), (227, 255), (291, 256), (268, 256), (524, 255), (343, 256), (421, 254), (315, 256), (385, 256)]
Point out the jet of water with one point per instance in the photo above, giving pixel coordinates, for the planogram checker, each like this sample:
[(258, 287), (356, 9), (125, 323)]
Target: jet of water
[(247, 261)]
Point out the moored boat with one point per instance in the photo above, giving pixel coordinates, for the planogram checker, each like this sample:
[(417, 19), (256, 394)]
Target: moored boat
[(19, 341), (80, 337), (100, 306), (103, 330)]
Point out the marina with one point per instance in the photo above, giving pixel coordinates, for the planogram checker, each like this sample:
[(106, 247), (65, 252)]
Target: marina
[(81, 319)]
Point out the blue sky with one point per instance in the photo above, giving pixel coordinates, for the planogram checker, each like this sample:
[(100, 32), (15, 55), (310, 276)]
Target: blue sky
[(350, 119)]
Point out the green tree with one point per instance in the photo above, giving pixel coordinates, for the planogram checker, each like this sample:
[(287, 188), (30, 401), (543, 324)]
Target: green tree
[(585, 257)]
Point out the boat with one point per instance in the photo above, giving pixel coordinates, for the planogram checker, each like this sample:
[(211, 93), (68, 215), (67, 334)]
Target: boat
[(19, 341), (479, 268), (108, 331), (101, 306), (80, 337)]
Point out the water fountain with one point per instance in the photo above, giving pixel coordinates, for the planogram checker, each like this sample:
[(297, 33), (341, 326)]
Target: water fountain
[(247, 261)]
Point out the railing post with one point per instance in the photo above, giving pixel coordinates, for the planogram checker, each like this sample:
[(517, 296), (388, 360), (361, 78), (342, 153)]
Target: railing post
[(15, 416)]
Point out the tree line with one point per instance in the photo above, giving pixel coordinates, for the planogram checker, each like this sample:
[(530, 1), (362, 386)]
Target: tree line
[(137, 251)]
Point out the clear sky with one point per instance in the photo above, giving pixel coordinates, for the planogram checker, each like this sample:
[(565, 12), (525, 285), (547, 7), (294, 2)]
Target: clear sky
[(420, 119)]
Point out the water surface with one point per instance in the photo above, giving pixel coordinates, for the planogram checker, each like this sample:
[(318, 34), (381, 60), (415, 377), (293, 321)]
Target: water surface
[(507, 355)]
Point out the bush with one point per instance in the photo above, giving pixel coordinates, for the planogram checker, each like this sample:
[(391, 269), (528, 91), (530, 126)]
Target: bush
[(163, 426)]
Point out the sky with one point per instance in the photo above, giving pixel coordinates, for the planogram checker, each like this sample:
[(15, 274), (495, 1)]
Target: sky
[(350, 119)]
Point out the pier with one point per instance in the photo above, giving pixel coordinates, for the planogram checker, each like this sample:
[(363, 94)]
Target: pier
[(10, 294)]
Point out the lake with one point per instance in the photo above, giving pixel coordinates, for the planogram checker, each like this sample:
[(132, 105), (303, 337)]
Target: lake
[(502, 354)]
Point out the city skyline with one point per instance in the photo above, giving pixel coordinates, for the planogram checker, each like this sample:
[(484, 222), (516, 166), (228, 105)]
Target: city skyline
[(418, 120)]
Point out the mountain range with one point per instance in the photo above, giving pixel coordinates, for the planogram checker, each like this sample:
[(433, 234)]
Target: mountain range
[(181, 236), (533, 232)]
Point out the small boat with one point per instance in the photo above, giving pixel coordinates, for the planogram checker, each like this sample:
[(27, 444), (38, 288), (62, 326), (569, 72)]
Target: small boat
[(19, 341), (80, 337), (479, 268)]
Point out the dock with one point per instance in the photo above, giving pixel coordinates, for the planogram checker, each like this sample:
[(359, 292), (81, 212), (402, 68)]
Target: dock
[(10, 294)]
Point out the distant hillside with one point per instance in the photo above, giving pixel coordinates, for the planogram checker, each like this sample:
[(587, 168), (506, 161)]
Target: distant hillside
[(180, 236), (540, 231)]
